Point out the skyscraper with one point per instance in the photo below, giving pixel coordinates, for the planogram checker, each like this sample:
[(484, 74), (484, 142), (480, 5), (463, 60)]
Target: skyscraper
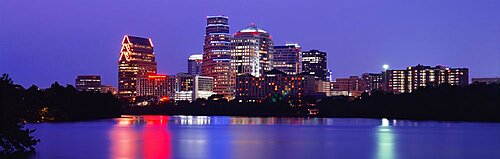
[(288, 59), (137, 60), (194, 64), (251, 51), (216, 55), (314, 63)]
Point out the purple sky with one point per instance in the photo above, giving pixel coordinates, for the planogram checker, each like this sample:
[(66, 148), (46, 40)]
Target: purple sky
[(55, 40)]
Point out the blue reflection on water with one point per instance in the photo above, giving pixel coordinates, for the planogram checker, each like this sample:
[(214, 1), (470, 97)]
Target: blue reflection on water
[(271, 137)]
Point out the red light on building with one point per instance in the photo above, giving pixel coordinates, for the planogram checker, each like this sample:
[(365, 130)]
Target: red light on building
[(157, 76)]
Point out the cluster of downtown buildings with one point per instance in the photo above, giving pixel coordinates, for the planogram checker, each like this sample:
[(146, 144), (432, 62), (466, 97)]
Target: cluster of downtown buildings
[(247, 66)]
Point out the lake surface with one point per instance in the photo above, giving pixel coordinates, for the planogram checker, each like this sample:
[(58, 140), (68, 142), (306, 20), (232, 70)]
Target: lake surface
[(132, 137)]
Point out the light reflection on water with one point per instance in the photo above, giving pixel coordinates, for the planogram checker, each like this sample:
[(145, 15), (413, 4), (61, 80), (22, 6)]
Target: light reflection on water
[(385, 140), (270, 137), (226, 120)]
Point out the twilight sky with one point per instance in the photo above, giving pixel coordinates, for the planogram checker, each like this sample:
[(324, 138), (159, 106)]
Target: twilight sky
[(56, 40)]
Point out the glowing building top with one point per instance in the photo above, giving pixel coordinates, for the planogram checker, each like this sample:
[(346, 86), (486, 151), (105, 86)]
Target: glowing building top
[(137, 60), (251, 51)]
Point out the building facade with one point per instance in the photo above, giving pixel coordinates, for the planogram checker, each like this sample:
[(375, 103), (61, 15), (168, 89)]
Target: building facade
[(217, 56), (153, 85), (352, 86), (374, 81), (191, 87), (194, 64), (137, 60), (274, 83), (88, 83), (251, 51), (314, 63), (406, 81), (288, 59)]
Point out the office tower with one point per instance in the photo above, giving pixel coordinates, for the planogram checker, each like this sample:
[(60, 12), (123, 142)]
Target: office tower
[(373, 81), (194, 64), (90, 83), (251, 51), (191, 87), (314, 63), (486, 80), (154, 86), (406, 81), (288, 59), (216, 55), (137, 60)]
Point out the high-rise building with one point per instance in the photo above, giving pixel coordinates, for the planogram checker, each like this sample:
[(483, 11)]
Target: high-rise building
[(153, 85), (137, 60), (217, 56), (314, 63), (251, 51), (194, 64), (288, 59), (405, 81), (89, 83)]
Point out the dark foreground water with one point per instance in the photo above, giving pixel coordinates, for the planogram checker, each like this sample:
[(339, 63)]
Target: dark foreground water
[(245, 137)]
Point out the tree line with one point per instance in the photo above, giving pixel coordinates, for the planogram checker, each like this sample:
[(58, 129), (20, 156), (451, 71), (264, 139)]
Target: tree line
[(19, 105), (475, 102)]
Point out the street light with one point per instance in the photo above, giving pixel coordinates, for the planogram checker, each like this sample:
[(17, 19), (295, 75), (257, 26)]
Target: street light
[(385, 66), (384, 77)]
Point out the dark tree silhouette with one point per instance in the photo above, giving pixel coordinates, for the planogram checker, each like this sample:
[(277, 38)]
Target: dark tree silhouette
[(14, 138), (57, 103)]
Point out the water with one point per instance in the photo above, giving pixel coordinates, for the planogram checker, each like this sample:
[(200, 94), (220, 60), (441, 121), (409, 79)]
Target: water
[(246, 137)]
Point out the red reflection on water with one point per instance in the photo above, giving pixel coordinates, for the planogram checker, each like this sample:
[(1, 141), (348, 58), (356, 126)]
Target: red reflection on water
[(124, 141), (127, 140), (156, 138)]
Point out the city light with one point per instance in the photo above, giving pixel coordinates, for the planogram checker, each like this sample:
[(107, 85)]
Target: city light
[(385, 66), (385, 122)]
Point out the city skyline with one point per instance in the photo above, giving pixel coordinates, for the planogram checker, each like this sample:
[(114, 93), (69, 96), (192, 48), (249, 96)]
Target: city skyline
[(352, 50)]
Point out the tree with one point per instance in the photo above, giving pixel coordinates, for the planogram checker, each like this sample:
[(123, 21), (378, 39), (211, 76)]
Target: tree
[(14, 138)]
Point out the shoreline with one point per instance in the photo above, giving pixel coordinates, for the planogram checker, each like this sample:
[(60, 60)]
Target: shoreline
[(266, 116)]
